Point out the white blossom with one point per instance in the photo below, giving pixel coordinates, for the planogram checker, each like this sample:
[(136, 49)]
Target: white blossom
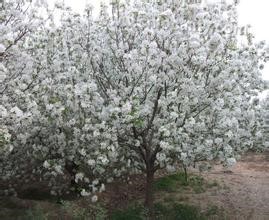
[(46, 164), (91, 162), (2, 48), (17, 111), (84, 193), (82, 152), (94, 198), (78, 177), (231, 161)]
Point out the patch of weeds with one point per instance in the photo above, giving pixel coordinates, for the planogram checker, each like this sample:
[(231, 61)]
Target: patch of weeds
[(95, 211), (167, 199), (176, 211), (165, 184), (197, 183), (215, 212), (213, 184), (225, 187), (170, 183), (9, 203), (168, 211), (198, 189), (136, 212), (161, 210), (177, 181), (100, 212), (196, 180), (212, 210), (180, 177), (36, 214), (187, 212), (214, 192)]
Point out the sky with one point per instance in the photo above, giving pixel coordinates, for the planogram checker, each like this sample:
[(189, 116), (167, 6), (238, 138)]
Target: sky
[(253, 12)]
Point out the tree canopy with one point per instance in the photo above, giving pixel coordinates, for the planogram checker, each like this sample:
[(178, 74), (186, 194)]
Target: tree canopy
[(148, 86)]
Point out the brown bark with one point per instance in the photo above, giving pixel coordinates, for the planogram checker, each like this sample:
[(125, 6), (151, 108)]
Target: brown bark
[(185, 173), (72, 168), (149, 199)]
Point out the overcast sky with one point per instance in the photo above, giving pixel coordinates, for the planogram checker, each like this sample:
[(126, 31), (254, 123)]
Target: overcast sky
[(253, 12)]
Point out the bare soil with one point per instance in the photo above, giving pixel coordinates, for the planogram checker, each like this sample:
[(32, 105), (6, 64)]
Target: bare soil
[(244, 189)]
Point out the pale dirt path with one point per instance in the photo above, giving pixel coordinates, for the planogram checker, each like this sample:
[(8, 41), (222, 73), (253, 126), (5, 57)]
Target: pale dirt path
[(245, 194)]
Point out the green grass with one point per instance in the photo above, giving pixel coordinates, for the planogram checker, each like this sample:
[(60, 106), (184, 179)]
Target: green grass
[(198, 184), (12, 208), (177, 182), (178, 211), (136, 212), (167, 211), (165, 184), (170, 183), (36, 214), (212, 210)]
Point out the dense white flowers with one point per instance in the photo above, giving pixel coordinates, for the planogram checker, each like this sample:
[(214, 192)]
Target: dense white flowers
[(146, 88), (83, 152), (3, 73), (18, 113), (58, 169), (91, 162), (2, 48), (231, 161), (46, 164)]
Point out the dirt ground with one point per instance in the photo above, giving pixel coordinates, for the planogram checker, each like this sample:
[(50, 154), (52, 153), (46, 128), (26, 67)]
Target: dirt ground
[(245, 189), (242, 193)]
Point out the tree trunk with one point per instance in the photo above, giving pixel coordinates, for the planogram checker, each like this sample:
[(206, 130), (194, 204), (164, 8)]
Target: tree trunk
[(185, 174), (72, 168), (149, 199)]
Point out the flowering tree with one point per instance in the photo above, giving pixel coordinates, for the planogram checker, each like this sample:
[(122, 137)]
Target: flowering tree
[(18, 20), (176, 83), (152, 85), (43, 110)]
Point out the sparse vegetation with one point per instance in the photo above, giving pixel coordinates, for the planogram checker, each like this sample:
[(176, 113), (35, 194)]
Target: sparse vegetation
[(173, 211), (135, 212), (167, 211), (212, 210), (177, 182), (36, 214), (96, 211)]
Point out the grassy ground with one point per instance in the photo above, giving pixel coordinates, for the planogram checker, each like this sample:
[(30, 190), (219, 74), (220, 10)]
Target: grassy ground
[(170, 204), (241, 193)]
